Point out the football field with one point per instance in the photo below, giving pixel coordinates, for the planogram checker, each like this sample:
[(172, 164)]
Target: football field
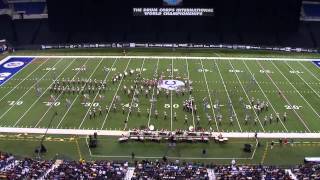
[(226, 94)]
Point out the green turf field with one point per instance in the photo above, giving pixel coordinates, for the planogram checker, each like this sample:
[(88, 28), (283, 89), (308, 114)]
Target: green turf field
[(222, 82)]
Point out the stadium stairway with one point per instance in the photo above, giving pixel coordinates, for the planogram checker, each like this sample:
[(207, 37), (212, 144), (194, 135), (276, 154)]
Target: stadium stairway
[(293, 176), (211, 174), (129, 173), (54, 166)]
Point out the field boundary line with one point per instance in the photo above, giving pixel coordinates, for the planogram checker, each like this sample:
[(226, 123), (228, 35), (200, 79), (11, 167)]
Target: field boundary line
[(285, 98), (248, 98), (23, 79), (50, 107), (85, 132), (212, 107), (225, 88), (174, 57), (41, 95), (114, 96), (29, 90), (296, 89), (274, 110)]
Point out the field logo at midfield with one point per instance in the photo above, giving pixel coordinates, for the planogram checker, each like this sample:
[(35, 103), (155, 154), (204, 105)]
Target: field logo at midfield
[(317, 63), (172, 85)]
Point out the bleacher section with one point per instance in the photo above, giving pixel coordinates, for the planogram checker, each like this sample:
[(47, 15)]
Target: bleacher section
[(312, 10), (3, 5), (30, 7), (25, 30), (37, 32)]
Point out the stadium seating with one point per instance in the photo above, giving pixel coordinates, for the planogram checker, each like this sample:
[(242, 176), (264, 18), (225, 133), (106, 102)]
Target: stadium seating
[(312, 10), (3, 5), (162, 170), (309, 171), (30, 8), (13, 168), (26, 169), (89, 170), (250, 172)]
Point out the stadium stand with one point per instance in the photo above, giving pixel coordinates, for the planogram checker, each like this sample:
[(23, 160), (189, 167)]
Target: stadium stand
[(163, 170), (250, 172), (3, 5), (12, 167), (311, 9), (89, 170), (308, 171), (30, 7), (26, 169)]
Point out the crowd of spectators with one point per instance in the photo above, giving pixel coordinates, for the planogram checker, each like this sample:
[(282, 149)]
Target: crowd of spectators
[(89, 170), (250, 172), (162, 170), (12, 168), (25, 169), (5, 159), (307, 171)]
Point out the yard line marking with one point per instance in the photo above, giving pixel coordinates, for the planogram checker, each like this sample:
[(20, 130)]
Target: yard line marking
[(225, 88), (205, 78), (50, 107), (296, 89), (309, 71), (152, 95), (171, 94), (264, 95), (190, 94), (134, 93), (29, 90), (96, 93), (23, 80), (247, 96), (303, 80), (41, 95), (303, 122), (105, 119)]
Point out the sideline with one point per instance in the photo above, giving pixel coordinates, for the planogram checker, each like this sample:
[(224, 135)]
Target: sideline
[(178, 57)]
